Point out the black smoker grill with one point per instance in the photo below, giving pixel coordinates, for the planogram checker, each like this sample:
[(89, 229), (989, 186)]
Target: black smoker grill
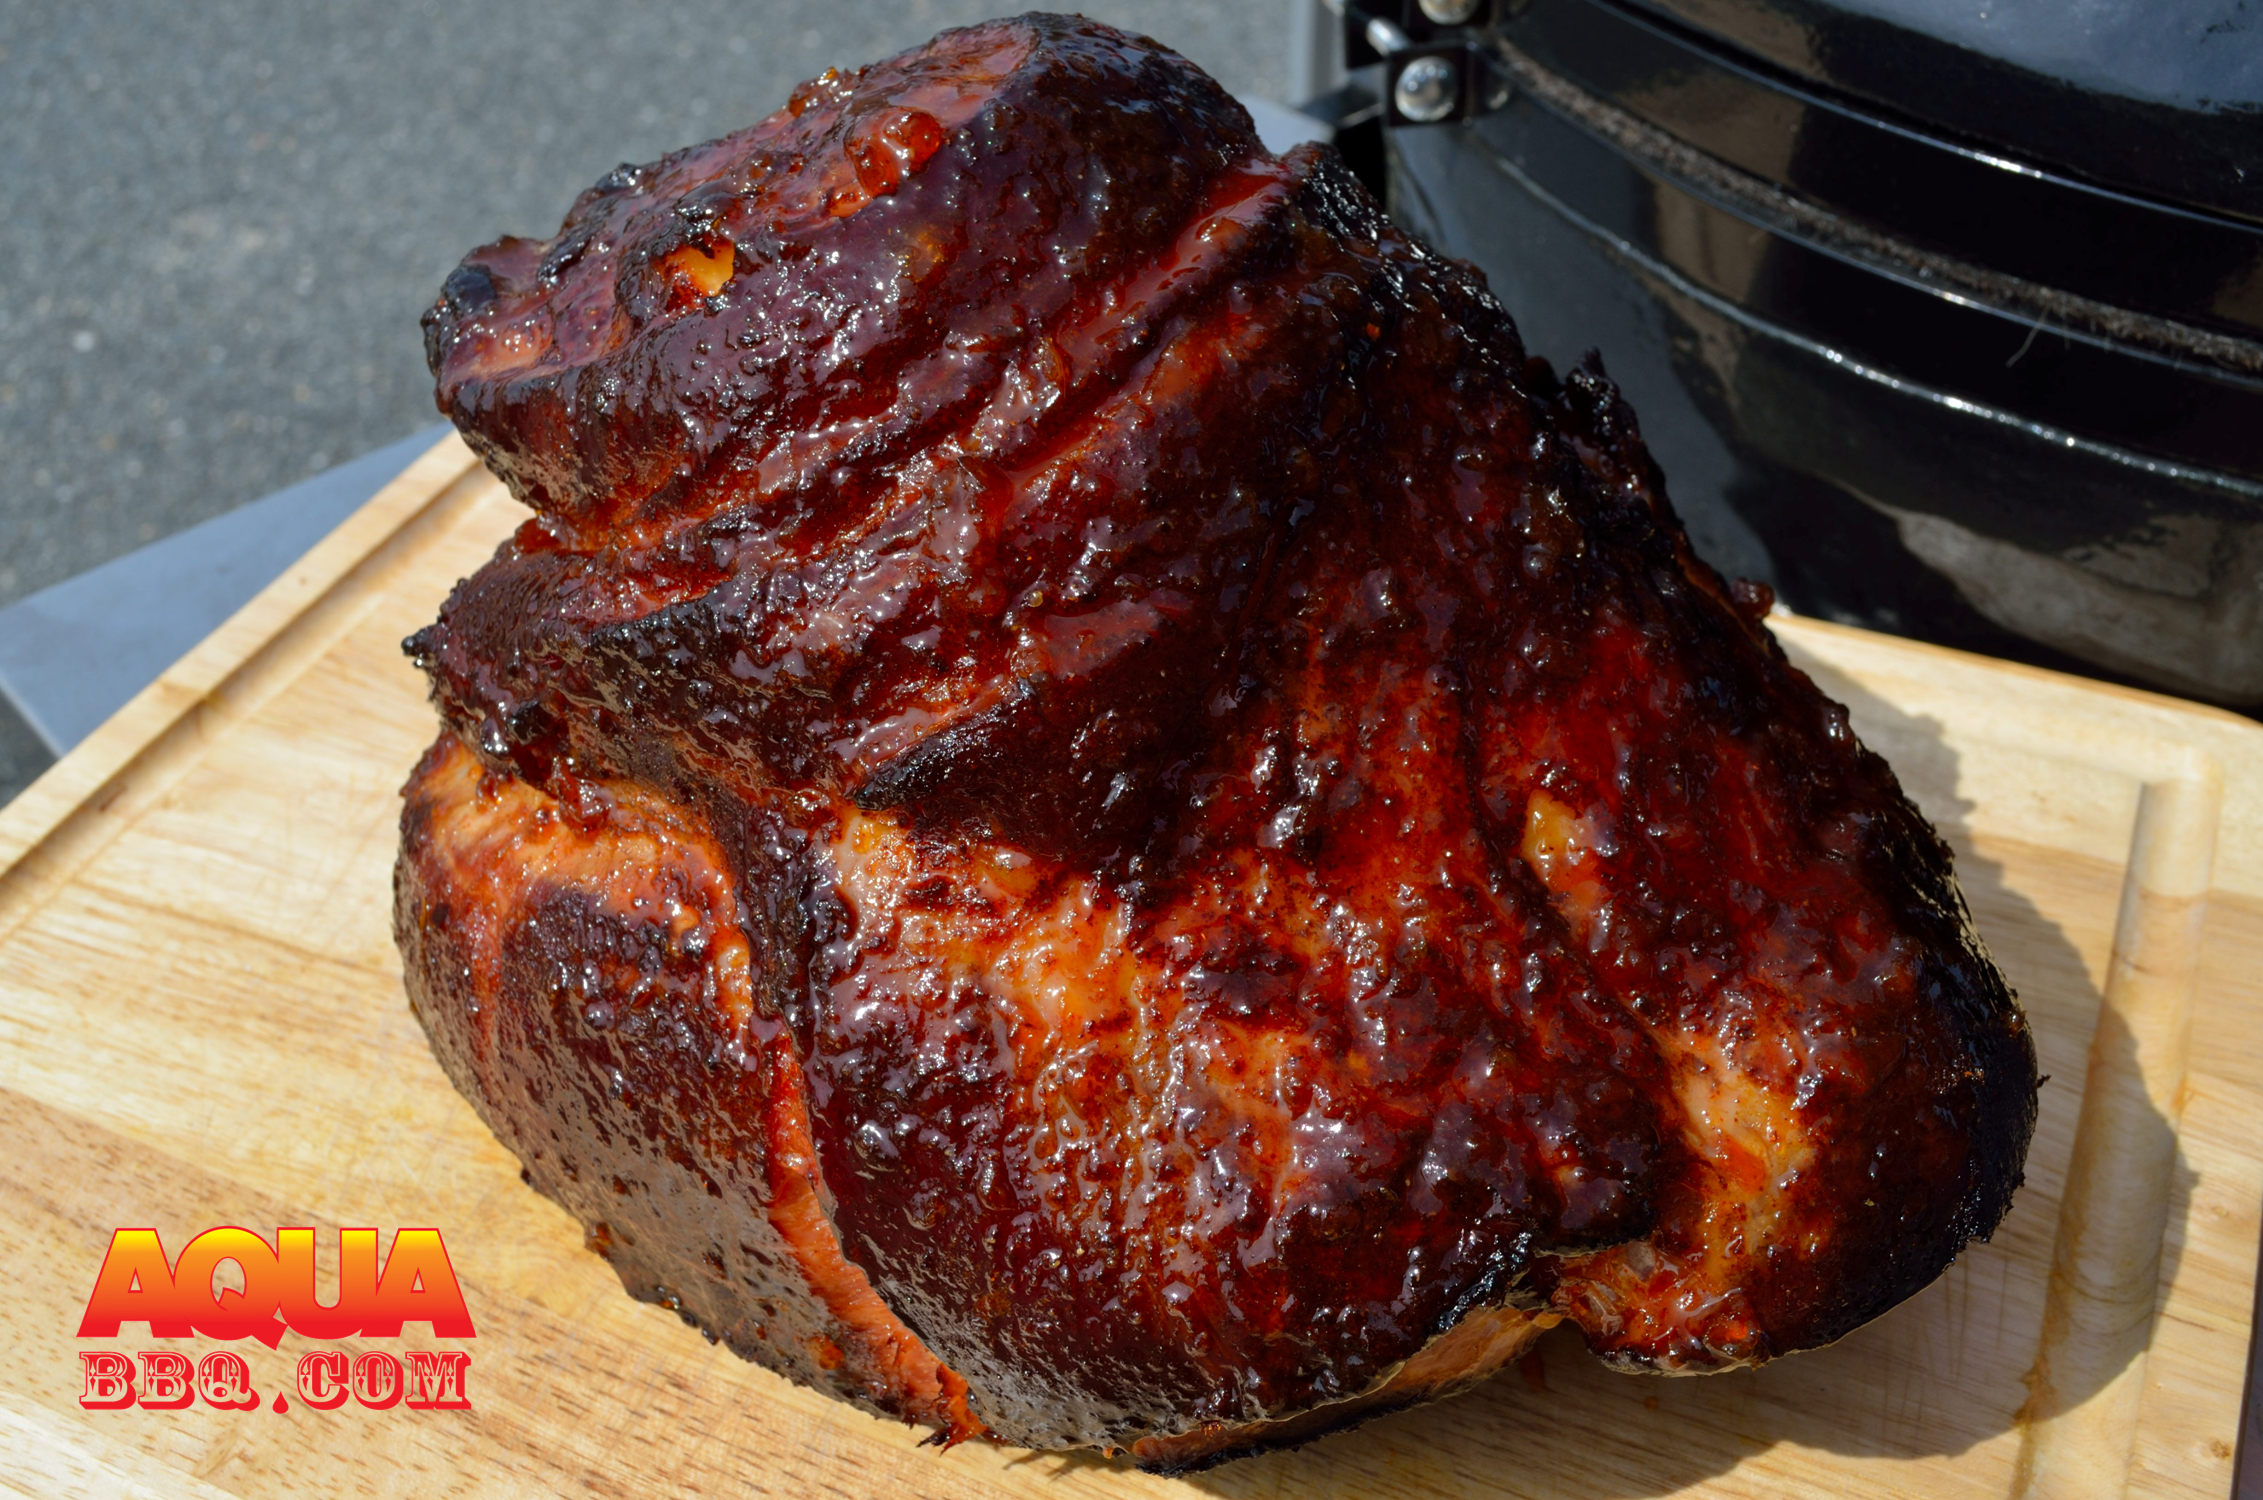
[(1942, 318)]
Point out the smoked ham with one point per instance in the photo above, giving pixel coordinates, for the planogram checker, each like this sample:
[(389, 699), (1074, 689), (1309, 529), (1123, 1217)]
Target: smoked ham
[(1093, 813)]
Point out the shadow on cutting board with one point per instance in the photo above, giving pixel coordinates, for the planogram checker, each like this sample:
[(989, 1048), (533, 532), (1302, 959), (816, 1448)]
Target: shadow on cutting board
[(1950, 1369)]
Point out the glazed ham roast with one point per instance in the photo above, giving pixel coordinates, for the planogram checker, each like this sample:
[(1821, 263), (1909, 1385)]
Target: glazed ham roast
[(1093, 813)]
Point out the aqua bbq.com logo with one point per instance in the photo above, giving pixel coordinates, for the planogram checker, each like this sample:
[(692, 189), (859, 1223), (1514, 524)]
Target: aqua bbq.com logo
[(184, 1298)]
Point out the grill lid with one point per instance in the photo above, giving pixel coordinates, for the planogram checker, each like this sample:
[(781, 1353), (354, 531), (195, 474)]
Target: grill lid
[(2014, 230), (2158, 97)]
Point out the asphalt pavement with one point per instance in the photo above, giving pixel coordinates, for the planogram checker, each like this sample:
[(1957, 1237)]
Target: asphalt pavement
[(222, 219)]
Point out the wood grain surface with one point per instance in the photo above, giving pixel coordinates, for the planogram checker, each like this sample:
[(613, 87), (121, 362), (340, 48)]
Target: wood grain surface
[(202, 1023)]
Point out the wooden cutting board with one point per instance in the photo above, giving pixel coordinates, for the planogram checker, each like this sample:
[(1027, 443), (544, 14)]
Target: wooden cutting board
[(202, 1023)]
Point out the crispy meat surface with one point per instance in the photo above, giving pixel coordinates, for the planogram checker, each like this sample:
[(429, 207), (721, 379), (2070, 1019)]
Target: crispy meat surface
[(1093, 813)]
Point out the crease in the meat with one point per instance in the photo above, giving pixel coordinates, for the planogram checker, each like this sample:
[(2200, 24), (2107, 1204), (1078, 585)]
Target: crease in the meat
[(1747, 1139), (506, 844)]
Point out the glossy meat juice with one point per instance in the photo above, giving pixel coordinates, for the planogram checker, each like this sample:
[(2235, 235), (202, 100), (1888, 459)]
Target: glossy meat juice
[(1093, 813)]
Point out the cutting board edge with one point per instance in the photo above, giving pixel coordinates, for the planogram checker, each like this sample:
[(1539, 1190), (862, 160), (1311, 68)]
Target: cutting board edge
[(95, 779)]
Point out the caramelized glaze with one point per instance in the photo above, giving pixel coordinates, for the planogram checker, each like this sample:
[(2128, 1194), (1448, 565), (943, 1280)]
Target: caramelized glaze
[(1261, 870)]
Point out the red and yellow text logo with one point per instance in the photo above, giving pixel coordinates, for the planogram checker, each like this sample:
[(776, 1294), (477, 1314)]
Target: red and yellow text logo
[(231, 1284)]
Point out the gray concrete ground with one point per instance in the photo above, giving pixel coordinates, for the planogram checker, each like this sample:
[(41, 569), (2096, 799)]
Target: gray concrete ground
[(219, 221)]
